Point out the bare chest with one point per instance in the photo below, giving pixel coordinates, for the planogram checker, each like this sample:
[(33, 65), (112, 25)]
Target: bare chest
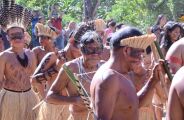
[(127, 98), (14, 69)]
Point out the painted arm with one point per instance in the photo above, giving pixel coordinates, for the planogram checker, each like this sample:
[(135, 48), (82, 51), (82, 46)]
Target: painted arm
[(61, 83), (44, 72)]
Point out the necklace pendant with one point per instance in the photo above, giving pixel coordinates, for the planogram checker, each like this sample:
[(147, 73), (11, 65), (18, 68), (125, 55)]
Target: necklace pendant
[(23, 61)]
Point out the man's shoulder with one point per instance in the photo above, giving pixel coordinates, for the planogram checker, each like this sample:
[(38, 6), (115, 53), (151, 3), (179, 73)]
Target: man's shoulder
[(73, 64), (177, 82), (6, 52), (37, 48), (178, 44), (51, 55), (105, 75)]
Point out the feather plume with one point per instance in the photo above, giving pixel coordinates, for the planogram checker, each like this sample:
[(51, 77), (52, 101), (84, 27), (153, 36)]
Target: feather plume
[(13, 15), (94, 25)]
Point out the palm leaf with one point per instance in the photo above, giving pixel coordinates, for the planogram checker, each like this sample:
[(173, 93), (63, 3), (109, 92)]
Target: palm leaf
[(83, 93)]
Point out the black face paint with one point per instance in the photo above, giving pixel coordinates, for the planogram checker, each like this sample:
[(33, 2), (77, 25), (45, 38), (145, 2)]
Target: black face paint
[(42, 37), (16, 36), (94, 50), (136, 53)]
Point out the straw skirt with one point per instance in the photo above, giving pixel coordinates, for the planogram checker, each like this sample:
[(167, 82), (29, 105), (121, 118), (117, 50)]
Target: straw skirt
[(17, 106), (146, 113), (53, 112), (81, 116)]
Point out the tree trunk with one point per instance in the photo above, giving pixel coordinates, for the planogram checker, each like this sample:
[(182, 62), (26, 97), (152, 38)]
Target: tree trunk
[(90, 8)]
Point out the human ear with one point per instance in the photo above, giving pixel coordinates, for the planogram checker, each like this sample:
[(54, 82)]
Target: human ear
[(125, 51)]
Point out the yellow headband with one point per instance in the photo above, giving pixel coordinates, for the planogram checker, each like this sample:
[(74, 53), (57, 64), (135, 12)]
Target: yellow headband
[(141, 42)]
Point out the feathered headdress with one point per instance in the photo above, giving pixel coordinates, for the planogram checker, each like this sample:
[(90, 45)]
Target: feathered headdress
[(13, 15), (94, 25), (44, 30)]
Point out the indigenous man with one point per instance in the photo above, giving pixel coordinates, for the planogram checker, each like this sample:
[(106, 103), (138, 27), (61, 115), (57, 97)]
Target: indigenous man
[(17, 65), (85, 67), (46, 38), (47, 72), (49, 67), (175, 109), (112, 79)]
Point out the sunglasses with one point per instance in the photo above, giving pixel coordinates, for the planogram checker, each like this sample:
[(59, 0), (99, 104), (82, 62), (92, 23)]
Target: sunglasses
[(16, 36)]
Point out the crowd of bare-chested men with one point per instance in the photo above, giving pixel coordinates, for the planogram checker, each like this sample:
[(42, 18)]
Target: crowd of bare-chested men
[(106, 71)]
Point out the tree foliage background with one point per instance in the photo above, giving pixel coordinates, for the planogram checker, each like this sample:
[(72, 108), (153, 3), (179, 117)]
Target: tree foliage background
[(140, 13)]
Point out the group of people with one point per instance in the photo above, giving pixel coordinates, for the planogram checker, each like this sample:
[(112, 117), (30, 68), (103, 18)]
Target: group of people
[(116, 72), (54, 21)]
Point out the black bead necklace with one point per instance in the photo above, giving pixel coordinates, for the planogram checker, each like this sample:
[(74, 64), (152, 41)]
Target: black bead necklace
[(23, 61)]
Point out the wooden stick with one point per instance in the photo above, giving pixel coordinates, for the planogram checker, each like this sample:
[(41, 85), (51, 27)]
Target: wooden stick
[(156, 59), (162, 57)]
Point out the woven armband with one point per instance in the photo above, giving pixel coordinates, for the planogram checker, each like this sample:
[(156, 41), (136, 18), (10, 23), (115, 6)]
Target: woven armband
[(52, 71), (41, 77)]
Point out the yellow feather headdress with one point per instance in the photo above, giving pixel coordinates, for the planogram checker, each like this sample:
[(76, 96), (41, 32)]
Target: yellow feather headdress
[(13, 15), (141, 42), (45, 31)]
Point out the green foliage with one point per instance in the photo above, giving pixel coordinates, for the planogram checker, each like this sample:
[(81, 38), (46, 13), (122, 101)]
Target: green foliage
[(140, 13), (132, 13)]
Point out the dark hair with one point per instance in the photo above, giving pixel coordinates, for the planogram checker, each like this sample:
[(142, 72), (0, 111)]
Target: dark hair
[(90, 37), (123, 33), (118, 26), (84, 27), (1, 35), (108, 39), (159, 19), (155, 28), (108, 21), (169, 27), (112, 23)]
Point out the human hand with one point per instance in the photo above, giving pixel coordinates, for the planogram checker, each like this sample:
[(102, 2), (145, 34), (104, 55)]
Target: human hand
[(80, 102), (157, 70)]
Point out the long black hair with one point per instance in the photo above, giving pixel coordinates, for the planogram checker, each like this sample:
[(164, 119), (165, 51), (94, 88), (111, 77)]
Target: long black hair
[(166, 41)]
